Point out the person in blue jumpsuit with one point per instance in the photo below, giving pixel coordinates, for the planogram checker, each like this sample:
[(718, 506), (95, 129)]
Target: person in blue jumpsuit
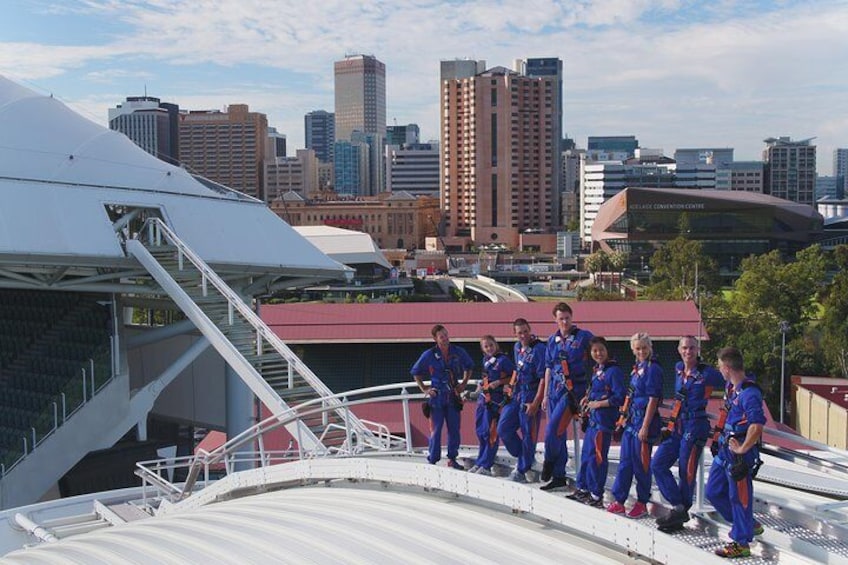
[(605, 395), (730, 486), (523, 409), (641, 431), (448, 368), (566, 379), (497, 372), (687, 434)]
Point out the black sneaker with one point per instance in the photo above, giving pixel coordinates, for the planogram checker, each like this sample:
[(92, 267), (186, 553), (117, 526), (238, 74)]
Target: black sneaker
[(590, 500), (556, 482), (578, 495), (547, 471)]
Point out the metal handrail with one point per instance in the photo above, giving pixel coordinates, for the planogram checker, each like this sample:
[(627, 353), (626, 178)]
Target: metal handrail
[(155, 228), (58, 411), (229, 452)]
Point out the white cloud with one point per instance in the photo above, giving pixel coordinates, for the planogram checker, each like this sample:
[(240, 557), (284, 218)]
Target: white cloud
[(674, 73)]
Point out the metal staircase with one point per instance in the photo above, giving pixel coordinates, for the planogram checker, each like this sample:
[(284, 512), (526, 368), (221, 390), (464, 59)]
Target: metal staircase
[(270, 368)]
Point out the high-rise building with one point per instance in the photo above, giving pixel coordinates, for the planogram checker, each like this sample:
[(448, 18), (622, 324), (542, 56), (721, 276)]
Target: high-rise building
[(276, 144), (790, 169), (402, 135), (226, 147), (611, 147), (413, 168), (320, 133), (840, 169), (360, 91), (498, 154), (745, 176), (601, 180), (551, 67), (150, 123), (292, 174), (350, 167)]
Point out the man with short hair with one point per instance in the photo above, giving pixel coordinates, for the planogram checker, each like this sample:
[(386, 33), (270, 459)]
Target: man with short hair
[(527, 390), (448, 368), (566, 369), (730, 487), (686, 432)]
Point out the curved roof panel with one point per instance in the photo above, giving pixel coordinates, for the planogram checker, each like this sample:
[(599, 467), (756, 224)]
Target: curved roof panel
[(59, 170), (325, 525)]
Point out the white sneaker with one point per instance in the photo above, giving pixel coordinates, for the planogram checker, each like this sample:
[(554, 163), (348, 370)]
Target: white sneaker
[(474, 469), (517, 476), (484, 471)]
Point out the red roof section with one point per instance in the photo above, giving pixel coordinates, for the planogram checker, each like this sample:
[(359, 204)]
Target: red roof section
[(835, 393), (467, 321)]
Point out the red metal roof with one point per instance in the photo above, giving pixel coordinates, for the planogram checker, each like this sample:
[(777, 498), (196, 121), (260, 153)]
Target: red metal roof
[(411, 322), (835, 393)]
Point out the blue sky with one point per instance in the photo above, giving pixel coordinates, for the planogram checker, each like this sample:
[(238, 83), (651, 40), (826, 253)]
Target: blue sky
[(675, 73)]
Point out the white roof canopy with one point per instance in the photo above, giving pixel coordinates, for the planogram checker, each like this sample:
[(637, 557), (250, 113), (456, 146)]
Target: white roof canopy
[(59, 172)]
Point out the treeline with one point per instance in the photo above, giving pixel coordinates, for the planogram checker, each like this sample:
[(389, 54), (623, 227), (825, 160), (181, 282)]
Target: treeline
[(805, 297)]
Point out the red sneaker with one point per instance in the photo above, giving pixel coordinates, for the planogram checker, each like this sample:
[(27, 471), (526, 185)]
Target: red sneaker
[(616, 508), (733, 550), (639, 509)]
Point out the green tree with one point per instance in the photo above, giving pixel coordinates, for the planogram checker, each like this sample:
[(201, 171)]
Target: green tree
[(769, 291), (834, 323), (596, 263), (673, 270)]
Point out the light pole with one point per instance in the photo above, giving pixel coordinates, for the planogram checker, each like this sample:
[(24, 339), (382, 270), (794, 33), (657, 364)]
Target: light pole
[(784, 328)]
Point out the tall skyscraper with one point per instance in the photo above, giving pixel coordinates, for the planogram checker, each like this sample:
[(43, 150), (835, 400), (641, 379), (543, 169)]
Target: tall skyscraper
[(360, 90), (320, 133), (551, 67), (150, 123), (840, 169), (226, 147), (498, 153), (790, 169), (276, 144)]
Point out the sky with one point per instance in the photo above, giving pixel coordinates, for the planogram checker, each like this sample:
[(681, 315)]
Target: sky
[(674, 73)]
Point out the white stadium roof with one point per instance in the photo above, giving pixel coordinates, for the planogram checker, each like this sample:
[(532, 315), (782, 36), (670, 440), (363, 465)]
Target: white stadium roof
[(345, 246), (59, 172)]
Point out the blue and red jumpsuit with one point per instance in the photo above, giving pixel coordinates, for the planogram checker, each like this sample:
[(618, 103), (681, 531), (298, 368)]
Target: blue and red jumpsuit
[(734, 499), (495, 367), (569, 351), (529, 372), (635, 458), (444, 374), (607, 384), (691, 430)]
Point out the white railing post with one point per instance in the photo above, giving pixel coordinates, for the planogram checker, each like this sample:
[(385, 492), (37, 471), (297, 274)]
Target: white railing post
[(64, 408), (93, 386), (261, 443), (55, 416), (33, 437), (348, 435), (407, 424), (291, 374), (699, 485), (25, 444), (83, 386), (576, 429), (325, 418)]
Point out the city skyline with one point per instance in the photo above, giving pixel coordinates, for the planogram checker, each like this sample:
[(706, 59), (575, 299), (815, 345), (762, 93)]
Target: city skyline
[(674, 74)]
